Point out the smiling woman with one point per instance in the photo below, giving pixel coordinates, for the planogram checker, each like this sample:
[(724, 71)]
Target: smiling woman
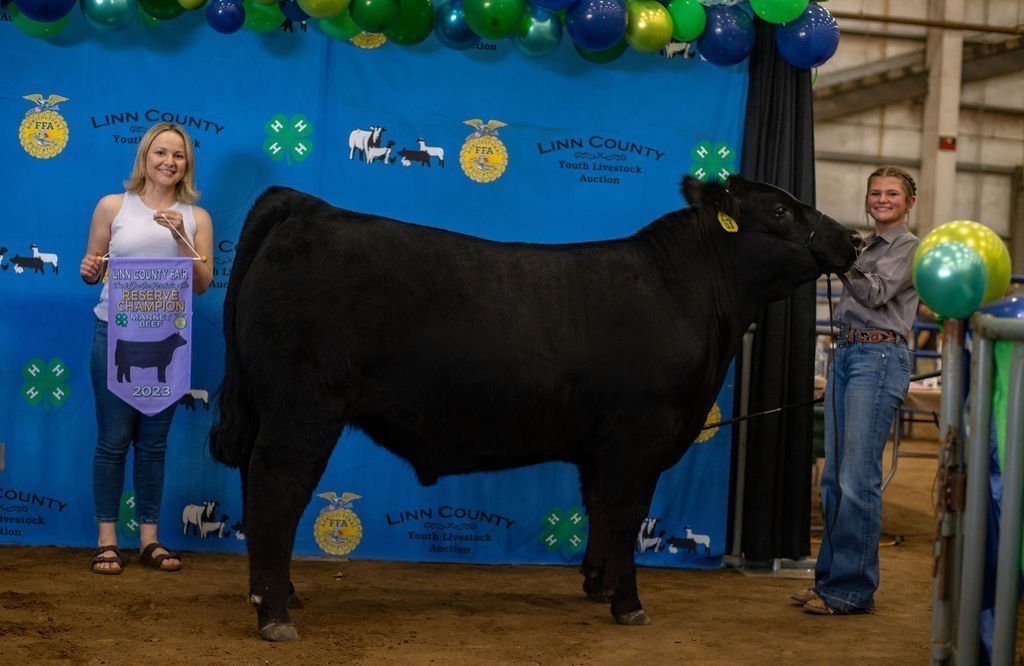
[(868, 379), (154, 217)]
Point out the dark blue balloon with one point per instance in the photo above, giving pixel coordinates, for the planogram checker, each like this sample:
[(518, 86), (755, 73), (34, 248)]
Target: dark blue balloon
[(810, 39), (1011, 307), (728, 37), (553, 5), (292, 11), (225, 16), (450, 26), (45, 11), (596, 25)]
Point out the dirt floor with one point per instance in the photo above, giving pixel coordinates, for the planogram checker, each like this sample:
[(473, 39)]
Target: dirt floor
[(53, 610)]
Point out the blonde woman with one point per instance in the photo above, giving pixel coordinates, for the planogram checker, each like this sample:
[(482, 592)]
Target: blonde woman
[(155, 216)]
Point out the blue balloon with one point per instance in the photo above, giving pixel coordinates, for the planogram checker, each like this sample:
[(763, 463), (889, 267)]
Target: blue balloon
[(45, 11), (596, 25), (810, 39), (225, 16), (450, 26), (1011, 307), (728, 37), (292, 11)]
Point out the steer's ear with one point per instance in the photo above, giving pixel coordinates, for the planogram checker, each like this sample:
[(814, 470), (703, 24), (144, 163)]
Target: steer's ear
[(692, 190)]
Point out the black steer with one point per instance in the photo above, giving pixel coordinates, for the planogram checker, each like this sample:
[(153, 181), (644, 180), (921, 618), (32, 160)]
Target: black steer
[(461, 354)]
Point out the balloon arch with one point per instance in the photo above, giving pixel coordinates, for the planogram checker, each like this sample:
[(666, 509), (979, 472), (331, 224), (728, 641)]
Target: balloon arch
[(722, 31)]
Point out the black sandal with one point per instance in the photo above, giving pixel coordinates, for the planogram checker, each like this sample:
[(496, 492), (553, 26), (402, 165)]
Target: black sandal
[(156, 561), (99, 558)]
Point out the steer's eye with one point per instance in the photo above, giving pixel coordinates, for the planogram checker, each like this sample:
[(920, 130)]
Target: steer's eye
[(780, 211)]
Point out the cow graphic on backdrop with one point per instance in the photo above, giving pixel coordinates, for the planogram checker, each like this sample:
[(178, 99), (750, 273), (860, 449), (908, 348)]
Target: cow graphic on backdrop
[(146, 354), (199, 519), (35, 264)]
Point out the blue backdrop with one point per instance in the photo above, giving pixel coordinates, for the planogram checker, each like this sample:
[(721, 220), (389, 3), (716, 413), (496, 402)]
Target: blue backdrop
[(551, 150)]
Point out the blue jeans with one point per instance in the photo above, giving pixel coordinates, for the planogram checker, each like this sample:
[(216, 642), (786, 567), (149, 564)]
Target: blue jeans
[(867, 382), (118, 425)]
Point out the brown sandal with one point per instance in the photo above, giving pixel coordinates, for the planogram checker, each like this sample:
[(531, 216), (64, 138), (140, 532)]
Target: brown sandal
[(156, 561), (99, 558)]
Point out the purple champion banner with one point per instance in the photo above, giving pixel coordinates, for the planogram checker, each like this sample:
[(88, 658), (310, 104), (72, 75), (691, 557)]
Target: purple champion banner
[(149, 330)]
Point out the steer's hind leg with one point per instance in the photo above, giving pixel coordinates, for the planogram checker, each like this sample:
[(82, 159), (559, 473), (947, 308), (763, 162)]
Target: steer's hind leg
[(287, 463), (593, 559)]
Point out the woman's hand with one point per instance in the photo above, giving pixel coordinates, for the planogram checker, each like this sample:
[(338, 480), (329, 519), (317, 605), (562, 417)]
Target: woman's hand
[(91, 268), (173, 220)]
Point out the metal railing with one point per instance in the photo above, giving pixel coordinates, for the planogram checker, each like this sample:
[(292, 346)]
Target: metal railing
[(957, 590)]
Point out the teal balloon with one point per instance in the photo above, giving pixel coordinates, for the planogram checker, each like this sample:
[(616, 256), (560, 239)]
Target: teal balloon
[(539, 32), (109, 14), (951, 279)]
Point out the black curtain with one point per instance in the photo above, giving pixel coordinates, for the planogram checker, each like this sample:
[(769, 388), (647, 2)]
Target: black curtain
[(778, 148)]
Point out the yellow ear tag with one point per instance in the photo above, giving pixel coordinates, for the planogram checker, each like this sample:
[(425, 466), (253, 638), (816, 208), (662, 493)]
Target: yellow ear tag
[(727, 223)]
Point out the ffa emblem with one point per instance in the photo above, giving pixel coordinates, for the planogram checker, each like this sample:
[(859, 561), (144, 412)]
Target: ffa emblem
[(338, 529), (483, 156), (368, 40), (43, 132), (714, 416)]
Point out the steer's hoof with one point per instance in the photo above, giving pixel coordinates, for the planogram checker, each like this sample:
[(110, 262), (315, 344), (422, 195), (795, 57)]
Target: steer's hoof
[(633, 618), (278, 632)]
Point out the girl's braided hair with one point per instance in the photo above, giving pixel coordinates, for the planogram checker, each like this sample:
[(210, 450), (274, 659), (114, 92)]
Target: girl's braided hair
[(909, 186)]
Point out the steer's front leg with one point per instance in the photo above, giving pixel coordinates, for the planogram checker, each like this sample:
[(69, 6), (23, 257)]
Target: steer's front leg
[(280, 484)]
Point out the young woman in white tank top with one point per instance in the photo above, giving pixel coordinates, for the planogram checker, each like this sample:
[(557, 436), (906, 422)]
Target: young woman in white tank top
[(154, 217)]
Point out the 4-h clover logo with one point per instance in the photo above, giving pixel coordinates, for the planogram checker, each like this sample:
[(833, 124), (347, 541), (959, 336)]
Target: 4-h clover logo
[(127, 527), (121, 319), (565, 531), (45, 382), (712, 162), (288, 138)]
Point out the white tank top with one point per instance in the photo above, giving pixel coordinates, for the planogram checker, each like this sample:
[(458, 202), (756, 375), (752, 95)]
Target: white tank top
[(134, 233)]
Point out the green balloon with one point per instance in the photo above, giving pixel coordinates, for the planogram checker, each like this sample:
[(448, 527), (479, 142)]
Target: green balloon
[(649, 26), (603, 57), (162, 9), (374, 15), (950, 278), (322, 9), (688, 19), (41, 29), (494, 19), (414, 23), (982, 240), (341, 27), (262, 18), (778, 11)]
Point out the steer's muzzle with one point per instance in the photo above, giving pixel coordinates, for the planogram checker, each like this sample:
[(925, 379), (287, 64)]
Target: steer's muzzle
[(836, 247)]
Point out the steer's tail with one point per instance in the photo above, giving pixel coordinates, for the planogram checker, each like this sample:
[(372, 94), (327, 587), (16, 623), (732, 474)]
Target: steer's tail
[(232, 436)]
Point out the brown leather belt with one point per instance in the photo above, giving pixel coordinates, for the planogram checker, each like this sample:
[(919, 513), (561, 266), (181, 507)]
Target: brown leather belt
[(872, 335)]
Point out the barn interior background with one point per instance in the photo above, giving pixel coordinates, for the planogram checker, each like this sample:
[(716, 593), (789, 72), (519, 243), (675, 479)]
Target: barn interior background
[(450, 131)]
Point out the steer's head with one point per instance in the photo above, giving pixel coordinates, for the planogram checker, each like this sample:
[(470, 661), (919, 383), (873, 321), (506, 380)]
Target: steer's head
[(785, 226)]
